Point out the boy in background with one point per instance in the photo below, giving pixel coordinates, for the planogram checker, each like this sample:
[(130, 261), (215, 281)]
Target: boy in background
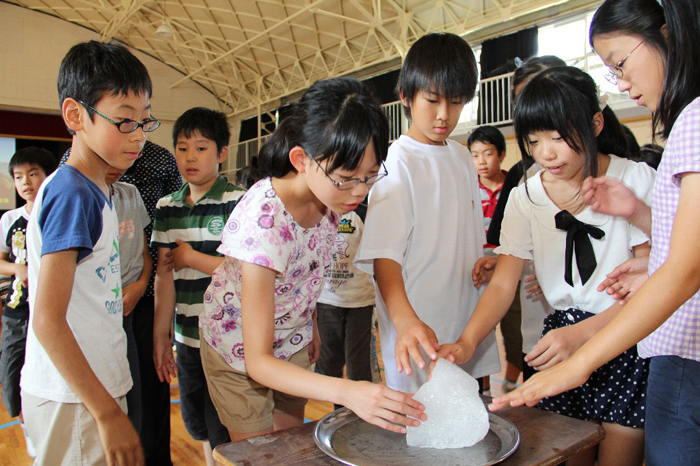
[(76, 376), (424, 228), (488, 148), (187, 230), (29, 167)]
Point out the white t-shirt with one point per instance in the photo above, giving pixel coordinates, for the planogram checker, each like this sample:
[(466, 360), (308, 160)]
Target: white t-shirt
[(426, 215), (345, 284), (70, 211), (529, 232)]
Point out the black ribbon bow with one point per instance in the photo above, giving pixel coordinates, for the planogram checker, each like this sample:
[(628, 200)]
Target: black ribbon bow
[(577, 240)]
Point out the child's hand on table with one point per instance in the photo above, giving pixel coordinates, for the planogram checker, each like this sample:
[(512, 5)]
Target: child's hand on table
[(384, 407), (410, 333)]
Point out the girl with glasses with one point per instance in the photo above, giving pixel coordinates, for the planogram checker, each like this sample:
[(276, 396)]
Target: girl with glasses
[(663, 316)]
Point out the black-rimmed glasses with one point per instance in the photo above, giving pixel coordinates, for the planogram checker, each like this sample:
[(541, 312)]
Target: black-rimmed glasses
[(127, 125), (615, 72), (352, 183)]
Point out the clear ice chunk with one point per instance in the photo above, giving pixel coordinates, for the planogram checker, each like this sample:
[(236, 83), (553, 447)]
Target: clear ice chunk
[(457, 417)]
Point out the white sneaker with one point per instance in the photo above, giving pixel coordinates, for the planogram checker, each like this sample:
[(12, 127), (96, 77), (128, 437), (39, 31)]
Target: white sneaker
[(31, 451), (508, 386)]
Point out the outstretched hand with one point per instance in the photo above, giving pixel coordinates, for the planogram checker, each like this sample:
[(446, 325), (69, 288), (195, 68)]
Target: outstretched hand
[(483, 270), (554, 381), (624, 281), (384, 407), (412, 335), (609, 196)]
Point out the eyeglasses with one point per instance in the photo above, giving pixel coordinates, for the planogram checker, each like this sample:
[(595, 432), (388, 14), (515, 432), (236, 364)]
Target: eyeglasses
[(127, 125), (615, 72), (352, 183)]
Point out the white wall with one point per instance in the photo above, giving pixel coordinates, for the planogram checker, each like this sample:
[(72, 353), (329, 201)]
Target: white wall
[(31, 51)]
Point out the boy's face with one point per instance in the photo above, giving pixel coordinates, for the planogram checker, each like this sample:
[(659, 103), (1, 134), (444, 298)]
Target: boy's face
[(115, 148), (198, 158), (487, 160), (433, 117), (28, 178)]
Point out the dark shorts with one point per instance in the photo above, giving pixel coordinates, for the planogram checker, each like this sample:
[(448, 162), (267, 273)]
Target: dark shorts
[(672, 436), (614, 393), (198, 413), (14, 341)]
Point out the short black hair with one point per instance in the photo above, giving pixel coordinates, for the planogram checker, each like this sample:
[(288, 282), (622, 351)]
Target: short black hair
[(532, 67), (335, 119), (90, 70), (247, 176), (488, 135), (565, 99), (651, 155), (209, 123), (438, 62), (42, 158)]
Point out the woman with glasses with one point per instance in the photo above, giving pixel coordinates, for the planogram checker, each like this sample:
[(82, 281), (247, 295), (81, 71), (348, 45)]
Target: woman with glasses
[(259, 332), (653, 54)]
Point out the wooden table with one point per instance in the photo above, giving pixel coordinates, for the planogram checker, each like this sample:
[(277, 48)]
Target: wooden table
[(545, 439)]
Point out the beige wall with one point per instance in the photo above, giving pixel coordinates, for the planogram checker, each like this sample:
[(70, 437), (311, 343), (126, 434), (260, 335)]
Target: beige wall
[(31, 51)]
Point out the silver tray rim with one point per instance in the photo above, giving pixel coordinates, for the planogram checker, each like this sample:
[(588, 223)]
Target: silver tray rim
[(341, 417)]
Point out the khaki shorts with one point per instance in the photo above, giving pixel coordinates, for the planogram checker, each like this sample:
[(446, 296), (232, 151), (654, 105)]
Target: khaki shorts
[(63, 433), (245, 406)]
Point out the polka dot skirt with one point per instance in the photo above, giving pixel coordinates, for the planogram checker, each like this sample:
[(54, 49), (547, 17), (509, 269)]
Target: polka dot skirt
[(614, 393)]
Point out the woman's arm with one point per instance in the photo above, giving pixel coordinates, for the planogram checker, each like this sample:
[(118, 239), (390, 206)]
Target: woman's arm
[(376, 404), (676, 281), (490, 309)]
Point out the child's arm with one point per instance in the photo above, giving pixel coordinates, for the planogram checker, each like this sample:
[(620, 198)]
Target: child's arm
[(611, 196), (134, 291), (410, 330), (12, 268), (676, 281), (165, 300), (376, 404), (185, 256), (490, 309), (624, 281), (559, 344), (55, 283)]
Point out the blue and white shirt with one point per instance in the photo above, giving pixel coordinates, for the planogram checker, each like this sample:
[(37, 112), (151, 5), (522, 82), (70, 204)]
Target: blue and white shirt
[(70, 211)]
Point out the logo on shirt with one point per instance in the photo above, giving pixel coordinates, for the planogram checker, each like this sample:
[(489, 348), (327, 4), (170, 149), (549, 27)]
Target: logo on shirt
[(216, 226), (345, 226)]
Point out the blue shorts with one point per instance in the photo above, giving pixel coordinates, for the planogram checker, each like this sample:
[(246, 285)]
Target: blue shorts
[(14, 341), (672, 436), (198, 413)]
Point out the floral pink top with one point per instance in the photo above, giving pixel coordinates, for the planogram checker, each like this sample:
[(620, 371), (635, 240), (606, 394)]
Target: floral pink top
[(261, 231)]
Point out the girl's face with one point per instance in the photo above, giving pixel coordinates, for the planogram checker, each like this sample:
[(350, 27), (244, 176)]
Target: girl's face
[(552, 153), (643, 70), (332, 197)]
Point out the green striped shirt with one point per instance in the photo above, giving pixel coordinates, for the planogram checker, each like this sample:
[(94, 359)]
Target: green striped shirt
[(201, 225)]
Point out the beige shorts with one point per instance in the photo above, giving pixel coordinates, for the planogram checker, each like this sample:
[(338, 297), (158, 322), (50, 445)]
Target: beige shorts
[(63, 433), (244, 405)]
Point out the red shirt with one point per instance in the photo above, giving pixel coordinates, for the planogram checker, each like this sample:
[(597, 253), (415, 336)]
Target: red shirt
[(489, 199)]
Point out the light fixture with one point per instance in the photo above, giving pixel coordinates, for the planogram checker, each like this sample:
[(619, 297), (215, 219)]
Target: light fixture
[(164, 30)]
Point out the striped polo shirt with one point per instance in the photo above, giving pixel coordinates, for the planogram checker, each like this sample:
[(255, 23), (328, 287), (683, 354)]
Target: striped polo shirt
[(201, 225)]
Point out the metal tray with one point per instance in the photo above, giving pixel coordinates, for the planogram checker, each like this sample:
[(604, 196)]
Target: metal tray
[(347, 438)]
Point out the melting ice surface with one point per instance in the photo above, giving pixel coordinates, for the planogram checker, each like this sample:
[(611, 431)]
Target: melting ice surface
[(456, 415)]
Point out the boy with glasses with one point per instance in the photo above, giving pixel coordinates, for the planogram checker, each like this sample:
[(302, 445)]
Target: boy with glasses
[(76, 376)]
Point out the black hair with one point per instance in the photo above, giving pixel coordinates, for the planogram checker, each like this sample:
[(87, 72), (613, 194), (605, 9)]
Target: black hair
[(488, 135), (42, 158), (651, 155), (248, 175), (642, 18), (209, 123), (632, 144), (335, 120), (565, 99), (90, 70), (533, 66), (442, 63)]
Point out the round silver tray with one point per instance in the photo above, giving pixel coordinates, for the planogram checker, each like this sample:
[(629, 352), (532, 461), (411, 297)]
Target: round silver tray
[(347, 438)]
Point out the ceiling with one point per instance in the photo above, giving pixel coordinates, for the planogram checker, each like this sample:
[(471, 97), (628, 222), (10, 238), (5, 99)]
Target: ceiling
[(254, 54)]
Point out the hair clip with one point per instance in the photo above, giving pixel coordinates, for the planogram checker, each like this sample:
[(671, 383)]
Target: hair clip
[(603, 101)]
